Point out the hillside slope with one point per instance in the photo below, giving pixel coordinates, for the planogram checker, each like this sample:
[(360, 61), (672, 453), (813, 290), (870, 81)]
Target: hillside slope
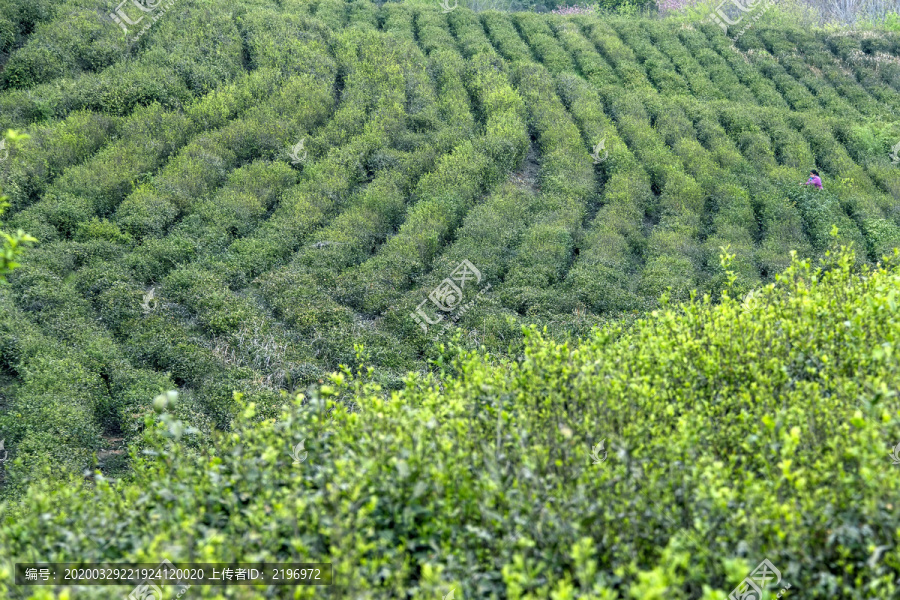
[(759, 427), (253, 194)]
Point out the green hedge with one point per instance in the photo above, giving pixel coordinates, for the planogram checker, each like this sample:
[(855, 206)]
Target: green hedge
[(659, 68), (606, 272), (174, 71), (445, 194), (715, 65), (591, 65), (52, 148), (568, 187), (77, 41)]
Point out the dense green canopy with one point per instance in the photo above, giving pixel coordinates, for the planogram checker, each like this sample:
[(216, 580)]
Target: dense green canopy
[(248, 196)]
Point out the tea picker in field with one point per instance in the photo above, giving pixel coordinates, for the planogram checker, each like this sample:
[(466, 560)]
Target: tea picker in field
[(814, 179)]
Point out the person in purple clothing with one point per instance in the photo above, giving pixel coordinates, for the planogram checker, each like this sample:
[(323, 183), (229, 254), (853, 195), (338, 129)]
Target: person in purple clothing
[(814, 179)]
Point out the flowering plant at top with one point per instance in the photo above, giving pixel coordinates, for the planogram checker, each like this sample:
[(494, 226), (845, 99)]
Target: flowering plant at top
[(674, 4), (573, 10), (662, 5)]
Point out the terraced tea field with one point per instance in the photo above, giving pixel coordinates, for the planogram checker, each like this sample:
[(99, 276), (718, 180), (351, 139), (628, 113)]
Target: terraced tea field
[(253, 191), (249, 196)]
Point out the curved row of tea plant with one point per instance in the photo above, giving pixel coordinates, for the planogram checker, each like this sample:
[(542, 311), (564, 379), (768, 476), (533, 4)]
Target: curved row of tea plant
[(188, 238)]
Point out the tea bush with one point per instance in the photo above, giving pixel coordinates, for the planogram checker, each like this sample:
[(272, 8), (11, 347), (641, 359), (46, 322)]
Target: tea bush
[(591, 65), (51, 149), (505, 38), (568, 189), (227, 315), (397, 19), (539, 37), (660, 69), (615, 52), (174, 78), (446, 193), (433, 31), (469, 34), (762, 88), (865, 64), (720, 72), (332, 13), (695, 75), (300, 291), (18, 19), (74, 43), (611, 251)]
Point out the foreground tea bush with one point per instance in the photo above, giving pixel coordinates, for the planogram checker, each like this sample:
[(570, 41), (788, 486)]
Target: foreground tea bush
[(748, 429)]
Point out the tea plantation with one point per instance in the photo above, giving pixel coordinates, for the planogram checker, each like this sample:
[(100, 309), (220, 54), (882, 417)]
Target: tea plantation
[(539, 299)]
